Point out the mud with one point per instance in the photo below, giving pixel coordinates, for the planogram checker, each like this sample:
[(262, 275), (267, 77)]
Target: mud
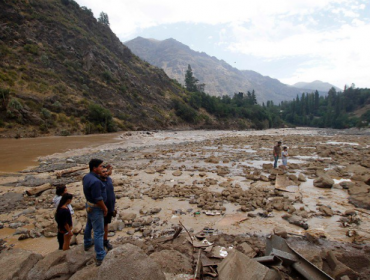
[(220, 180)]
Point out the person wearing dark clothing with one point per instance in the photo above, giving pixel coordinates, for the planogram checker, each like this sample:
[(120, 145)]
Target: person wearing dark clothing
[(96, 195), (277, 153), (110, 203), (63, 218)]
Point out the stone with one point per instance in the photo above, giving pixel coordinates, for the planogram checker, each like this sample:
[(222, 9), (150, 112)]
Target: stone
[(87, 273), (127, 216), (77, 258), (177, 173), (129, 262), (238, 266), (326, 211), (339, 269), (280, 231), (246, 249), (302, 178), (323, 182), (41, 268), (172, 261), (16, 263)]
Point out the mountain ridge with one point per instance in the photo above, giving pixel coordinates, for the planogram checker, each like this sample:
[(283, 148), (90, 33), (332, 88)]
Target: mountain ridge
[(220, 77)]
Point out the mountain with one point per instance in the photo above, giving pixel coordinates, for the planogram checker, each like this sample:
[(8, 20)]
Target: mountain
[(64, 72), (316, 85), (219, 77)]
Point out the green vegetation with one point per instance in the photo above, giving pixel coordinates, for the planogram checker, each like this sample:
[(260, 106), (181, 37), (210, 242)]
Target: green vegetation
[(333, 110), (101, 119), (103, 18)]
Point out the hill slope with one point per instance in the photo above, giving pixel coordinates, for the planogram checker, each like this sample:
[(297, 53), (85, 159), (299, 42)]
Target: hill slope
[(64, 72), (316, 85), (220, 78)]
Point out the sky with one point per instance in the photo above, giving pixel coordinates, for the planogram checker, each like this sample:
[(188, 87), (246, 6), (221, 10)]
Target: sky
[(290, 40)]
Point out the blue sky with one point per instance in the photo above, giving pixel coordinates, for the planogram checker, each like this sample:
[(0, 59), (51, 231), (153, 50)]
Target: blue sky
[(291, 40)]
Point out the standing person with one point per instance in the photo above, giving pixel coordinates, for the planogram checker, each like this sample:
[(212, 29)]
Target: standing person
[(60, 190), (111, 201), (277, 153), (96, 196), (284, 157), (64, 219)]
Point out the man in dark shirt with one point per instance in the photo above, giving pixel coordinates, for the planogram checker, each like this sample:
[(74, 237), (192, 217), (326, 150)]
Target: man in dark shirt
[(277, 153), (96, 195), (110, 203)]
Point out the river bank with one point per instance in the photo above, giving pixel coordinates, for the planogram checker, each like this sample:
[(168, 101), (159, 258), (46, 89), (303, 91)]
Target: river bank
[(220, 180)]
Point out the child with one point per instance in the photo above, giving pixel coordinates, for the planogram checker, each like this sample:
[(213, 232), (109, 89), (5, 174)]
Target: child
[(284, 157), (64, 219), (59, 191)]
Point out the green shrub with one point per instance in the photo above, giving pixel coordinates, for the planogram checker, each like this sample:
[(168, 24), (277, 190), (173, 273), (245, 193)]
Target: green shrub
[(31, 48), (101, 118), (45, 114)]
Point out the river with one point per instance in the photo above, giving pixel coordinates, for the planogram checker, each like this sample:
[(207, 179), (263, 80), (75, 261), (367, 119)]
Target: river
[(19, 154)]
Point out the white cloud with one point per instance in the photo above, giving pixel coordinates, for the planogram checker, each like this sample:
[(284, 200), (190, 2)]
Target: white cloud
[(329, 34)]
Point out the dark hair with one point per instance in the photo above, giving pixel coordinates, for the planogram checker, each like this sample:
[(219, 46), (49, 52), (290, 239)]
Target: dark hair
[(279, 142), (64, 199), (94, 163), (285, 147), (60, 189)]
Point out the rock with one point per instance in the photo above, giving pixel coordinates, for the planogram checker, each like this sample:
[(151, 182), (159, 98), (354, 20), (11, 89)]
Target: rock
[(295, 220), (314, 235), (172, 261), (247, 250), (267, 166), (77, 258), (42, 267), (326, 211), (323, 182), (150, 171), (129, 262), (116, 226), (87, 273), (155, 210), (177, 173), (339, 269), (16, 263), (302, 178), (70, 160), (238, 266), (280, 231), (22, 231), (127, 216), (147, 232), (16, 225)]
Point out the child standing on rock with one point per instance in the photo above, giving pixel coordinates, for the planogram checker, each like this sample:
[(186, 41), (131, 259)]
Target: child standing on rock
[(64, 219), (284, 157)]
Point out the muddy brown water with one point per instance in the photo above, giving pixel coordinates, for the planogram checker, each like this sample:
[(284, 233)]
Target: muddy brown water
[(19, 154)]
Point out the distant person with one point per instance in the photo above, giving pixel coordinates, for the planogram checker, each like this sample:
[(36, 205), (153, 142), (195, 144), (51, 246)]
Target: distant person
[(110, 203), (284, 157), (63, 218), (59, 191), (277, 153), (96, 195)]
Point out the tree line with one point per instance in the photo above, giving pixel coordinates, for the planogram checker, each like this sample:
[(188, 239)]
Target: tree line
[(335, 110)]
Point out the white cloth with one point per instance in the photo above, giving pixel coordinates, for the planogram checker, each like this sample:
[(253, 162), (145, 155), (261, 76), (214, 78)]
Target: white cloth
[(56, 201)]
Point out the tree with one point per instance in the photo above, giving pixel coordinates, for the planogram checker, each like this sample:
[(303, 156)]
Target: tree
[(103, 18), (190, 80)]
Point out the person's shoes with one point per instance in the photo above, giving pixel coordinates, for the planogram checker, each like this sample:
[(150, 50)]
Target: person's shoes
[(108, 245), (86, 248), (98, 262)]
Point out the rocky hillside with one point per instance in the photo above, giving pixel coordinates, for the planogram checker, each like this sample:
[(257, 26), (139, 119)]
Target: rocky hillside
[(63, 72), (220, 78)]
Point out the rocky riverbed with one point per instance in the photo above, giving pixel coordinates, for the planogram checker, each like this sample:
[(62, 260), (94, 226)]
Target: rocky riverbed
[(219, 183)]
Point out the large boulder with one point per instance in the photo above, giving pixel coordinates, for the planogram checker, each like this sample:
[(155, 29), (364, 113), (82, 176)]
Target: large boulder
[(77, 258), (53, 260), (238, 266), (16, 263), (87, 273), (323, 182), (129, 262), (172, 261)]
